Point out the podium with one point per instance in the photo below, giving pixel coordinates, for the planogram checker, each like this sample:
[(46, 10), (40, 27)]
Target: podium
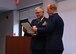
[(18, 45)]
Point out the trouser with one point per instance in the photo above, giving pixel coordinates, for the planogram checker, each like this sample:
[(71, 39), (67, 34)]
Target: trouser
[(38, 51), (54, 51)]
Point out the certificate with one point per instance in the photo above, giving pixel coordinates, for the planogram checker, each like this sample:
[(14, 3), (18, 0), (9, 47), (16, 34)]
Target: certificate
[(28, 28)]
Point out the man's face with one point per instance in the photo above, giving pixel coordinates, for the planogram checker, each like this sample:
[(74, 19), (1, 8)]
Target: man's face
[(49, 11), (39, 13)]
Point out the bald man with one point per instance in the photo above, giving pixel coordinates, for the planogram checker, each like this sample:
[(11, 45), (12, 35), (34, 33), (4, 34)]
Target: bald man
[(54, 44), (38, 41)]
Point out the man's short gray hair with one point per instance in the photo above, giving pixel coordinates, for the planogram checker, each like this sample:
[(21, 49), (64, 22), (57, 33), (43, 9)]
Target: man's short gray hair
[(39, 8)]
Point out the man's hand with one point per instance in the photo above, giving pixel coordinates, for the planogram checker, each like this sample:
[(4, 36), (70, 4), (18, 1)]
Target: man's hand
[(34, 28)]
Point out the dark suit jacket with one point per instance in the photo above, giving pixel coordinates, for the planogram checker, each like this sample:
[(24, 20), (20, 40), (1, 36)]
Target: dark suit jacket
[(38, 41), (54, 32)]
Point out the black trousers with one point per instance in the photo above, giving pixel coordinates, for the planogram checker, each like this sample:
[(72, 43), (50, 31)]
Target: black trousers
[(38, 51), (54, 51)]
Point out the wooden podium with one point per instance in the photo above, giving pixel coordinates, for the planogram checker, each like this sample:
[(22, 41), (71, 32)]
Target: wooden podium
[(18, 45)]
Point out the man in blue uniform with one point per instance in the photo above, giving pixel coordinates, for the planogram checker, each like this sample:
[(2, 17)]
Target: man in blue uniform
[(38, 41)]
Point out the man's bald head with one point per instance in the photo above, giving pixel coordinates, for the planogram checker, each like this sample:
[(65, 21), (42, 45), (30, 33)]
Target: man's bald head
[(51, 8)]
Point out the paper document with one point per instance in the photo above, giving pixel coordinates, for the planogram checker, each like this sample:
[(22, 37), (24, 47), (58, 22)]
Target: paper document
[(28, 27)]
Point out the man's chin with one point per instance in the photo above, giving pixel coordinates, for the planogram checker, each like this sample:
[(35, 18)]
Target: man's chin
[(38, 17)]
